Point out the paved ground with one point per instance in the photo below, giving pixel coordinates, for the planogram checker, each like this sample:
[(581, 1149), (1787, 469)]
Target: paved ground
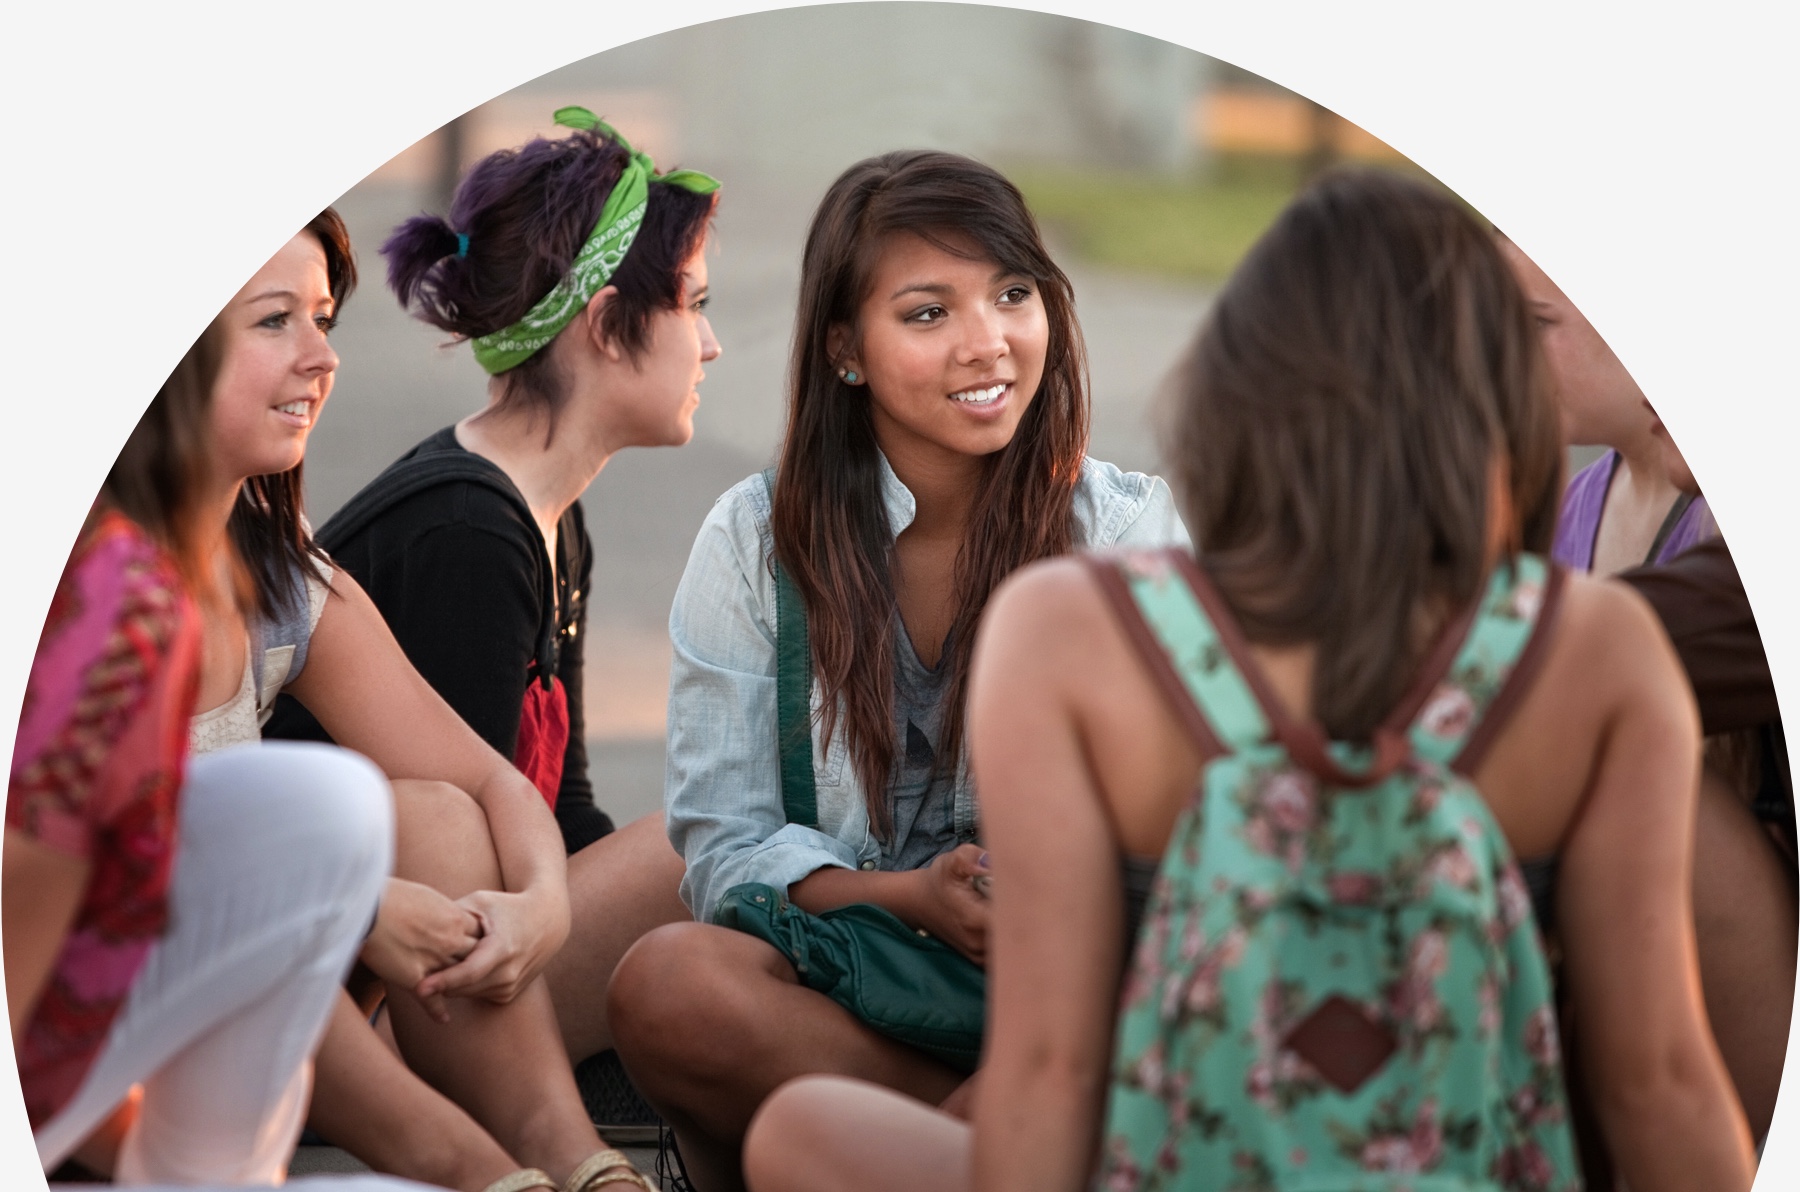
[(397, 384), (328, 1160)]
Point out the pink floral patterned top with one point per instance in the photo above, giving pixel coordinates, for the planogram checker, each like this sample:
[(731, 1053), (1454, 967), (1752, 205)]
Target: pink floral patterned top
[(95, 773)]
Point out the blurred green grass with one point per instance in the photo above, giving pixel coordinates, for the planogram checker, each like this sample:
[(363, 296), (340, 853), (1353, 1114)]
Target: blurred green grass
[(1193, 227)]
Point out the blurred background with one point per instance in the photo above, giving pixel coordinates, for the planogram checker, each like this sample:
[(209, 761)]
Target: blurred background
[(1151, 167)]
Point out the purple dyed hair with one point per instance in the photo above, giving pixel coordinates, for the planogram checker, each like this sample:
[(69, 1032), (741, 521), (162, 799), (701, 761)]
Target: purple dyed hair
[(527, 212)]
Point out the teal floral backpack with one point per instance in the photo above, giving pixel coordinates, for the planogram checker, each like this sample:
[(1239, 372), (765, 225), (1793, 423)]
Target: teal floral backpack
[(1339, 985)]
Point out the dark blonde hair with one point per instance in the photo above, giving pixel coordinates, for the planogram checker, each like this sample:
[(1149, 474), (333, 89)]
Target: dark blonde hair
[(1337, 425), (159, 478)]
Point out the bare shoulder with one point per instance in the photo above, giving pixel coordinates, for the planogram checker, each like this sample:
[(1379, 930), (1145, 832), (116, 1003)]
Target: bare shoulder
[(347, 607), (1610, 634), (1609, 681), (1053, 608), (1610, 662), (1049, 631), (1050, 587)]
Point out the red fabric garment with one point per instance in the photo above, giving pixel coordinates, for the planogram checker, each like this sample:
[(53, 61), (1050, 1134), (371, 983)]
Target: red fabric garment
[(96, 772), (543, 736)]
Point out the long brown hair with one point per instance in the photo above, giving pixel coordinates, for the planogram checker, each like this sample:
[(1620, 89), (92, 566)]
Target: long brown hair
[(159, 479), (1337, 426), (266, 524), (830, 527)]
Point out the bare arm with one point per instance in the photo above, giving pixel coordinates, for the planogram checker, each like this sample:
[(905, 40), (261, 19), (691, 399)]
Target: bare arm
[(365, 693), (40, 892), (1663, 1096), (1056, 936)]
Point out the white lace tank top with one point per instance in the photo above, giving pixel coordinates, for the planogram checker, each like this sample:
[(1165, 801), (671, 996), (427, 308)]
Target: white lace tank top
[(283, 654)]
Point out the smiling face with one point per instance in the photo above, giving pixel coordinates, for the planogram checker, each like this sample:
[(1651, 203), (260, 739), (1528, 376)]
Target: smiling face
[(1599, 402), (652, 398), (952, 350), (276, 367)]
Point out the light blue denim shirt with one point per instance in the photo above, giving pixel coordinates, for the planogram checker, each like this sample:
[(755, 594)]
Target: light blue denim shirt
[(722, 787)]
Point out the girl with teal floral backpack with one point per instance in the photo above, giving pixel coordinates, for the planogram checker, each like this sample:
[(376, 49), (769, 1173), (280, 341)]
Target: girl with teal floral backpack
[(1332, 762)]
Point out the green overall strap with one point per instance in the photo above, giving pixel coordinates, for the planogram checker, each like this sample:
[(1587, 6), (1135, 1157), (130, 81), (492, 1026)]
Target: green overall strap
[(793, 693)]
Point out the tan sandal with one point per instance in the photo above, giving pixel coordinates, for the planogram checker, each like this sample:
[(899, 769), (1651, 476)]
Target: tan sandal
[(606, 1167), (523, 1179)]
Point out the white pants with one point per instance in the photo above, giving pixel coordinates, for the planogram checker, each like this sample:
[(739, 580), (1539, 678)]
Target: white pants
[(282, 855), (321, 1183)]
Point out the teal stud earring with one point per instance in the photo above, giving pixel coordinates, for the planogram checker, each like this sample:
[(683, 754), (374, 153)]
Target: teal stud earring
[(850, 377)]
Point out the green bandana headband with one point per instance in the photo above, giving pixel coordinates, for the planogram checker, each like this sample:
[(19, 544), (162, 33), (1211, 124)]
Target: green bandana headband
[(598, 259)]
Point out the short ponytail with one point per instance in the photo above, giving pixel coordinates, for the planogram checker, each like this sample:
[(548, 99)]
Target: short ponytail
[(419, 253)]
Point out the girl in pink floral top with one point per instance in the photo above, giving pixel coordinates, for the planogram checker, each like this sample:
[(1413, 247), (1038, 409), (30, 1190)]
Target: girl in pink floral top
[(175, 930), (94, 776)]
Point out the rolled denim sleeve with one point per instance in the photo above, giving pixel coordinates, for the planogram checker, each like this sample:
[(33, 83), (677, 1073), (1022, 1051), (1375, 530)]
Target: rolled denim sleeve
[(722, 786), (1126, 509), (1159, 524)]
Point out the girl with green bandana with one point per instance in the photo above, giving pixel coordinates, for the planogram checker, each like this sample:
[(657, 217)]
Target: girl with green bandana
[(577, 273)]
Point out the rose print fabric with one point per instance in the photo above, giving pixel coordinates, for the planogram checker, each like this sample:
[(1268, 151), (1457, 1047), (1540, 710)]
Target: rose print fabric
[(1338, 984), (95, 773)]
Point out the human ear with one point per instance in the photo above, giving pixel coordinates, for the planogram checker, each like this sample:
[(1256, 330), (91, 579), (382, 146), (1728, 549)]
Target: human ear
[(837, 351), (596, 327)]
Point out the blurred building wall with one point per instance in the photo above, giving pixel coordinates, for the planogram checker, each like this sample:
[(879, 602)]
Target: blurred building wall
[(816, 88)]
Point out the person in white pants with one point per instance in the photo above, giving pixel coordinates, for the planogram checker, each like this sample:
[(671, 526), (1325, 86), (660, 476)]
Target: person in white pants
[(325, 1183), (284, 850)]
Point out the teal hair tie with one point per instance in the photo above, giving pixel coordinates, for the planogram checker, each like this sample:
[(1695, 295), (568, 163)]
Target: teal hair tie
[(462, 244)]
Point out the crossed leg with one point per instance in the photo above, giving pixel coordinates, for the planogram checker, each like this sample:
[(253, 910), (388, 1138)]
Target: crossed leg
[(477, 1097), (710, 1021), (620, 887)]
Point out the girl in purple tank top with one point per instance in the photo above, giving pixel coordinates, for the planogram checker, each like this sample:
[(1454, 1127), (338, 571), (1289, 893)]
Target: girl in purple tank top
[(1584, 505), (1623, 510)]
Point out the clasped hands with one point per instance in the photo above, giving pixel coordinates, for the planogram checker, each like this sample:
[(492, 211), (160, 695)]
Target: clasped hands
[(488, 944), (950, 900)]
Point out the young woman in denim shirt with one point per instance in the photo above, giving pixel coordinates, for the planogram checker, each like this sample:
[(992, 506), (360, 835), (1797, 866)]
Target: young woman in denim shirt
[(936, 442)]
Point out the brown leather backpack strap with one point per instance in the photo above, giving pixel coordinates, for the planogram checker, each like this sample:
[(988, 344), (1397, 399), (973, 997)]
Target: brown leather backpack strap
[(1304, 739), (1512, 692), (1113, 585)]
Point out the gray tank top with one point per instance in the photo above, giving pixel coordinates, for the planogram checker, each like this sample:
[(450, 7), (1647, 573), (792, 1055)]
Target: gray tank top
[(274, 658)]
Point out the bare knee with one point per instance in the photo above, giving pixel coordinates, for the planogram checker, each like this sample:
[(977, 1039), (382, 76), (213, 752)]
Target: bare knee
[(442, 838), (783, 1139), (824, 1133), (686, 993), (654, 974)]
